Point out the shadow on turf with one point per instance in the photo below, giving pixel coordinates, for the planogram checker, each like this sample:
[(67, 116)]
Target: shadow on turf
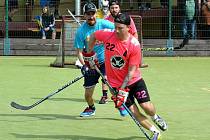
[(66, 66), (68, 99), (53, 117), (72, 137)]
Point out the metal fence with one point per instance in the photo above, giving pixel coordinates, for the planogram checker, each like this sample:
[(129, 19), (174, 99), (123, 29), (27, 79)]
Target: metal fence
[(160, 19)]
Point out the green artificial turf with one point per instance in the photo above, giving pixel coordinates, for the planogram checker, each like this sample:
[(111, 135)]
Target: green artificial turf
[(179, 88)]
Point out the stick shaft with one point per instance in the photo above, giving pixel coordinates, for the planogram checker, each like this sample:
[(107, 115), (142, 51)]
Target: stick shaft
[(73, 17), (127, 109)]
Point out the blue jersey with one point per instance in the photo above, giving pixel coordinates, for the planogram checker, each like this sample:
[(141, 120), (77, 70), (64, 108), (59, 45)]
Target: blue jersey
[(83, 34)]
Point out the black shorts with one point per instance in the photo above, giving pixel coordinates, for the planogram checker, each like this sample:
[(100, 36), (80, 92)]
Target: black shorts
[(91, 81), (12, 4), (139, 91)]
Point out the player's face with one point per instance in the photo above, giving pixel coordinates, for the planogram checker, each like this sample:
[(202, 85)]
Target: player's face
[(90, 18), (114, 10), (121, 30)]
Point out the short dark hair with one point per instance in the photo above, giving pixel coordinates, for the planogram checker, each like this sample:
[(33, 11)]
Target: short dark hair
[(114, 2), (123, 18)]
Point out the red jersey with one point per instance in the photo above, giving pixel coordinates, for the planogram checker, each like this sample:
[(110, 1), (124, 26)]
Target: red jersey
[(132, 27), (119, 55)]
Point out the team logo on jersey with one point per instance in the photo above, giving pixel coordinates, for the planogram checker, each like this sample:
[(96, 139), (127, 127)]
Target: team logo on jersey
[(117, 62)]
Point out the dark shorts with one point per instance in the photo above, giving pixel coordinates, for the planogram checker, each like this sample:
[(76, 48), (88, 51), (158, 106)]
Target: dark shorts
[(139, 91), (93, 80), (12, 4)]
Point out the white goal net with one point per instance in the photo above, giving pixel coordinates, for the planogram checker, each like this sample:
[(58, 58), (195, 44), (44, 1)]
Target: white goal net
[(66, 51)]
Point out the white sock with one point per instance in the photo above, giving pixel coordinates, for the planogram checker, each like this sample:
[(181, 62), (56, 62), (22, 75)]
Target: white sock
[(154, 129), (154, 117)]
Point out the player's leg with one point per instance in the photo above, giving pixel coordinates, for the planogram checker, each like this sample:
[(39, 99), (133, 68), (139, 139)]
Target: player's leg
[(104, 97), (143, 65), (90, 110), (143, 98), (143, 120), (149, 109), (89, 84)]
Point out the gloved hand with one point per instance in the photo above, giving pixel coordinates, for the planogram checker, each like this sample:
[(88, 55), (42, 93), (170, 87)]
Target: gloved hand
[(121, 97), (86, 71), (90, 59)]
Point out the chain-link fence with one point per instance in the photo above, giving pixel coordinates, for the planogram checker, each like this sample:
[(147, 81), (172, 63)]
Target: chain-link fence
[(155, 16)]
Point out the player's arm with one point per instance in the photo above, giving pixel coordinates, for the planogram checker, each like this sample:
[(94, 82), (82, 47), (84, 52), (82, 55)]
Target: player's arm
[(100, 35), (133, 28), (123, 91), (129, 76), (136, 35), (80, 56), (79, 45), (91, 42)]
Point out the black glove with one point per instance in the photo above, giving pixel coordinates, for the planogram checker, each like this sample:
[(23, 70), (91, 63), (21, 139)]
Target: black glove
[(87, 72)]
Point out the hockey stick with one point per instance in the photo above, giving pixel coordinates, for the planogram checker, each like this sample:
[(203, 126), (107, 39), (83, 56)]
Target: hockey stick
[(21, 107), (73, 17), (126, 108), (77, 63)]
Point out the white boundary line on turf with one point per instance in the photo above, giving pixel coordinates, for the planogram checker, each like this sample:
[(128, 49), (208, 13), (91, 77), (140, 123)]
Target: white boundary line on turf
[(206, 89)]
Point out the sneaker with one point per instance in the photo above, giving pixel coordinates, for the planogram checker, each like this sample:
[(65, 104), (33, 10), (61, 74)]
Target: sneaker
[(43, 37), (104, 100), (156, 136), (161, 123), (123, 111), (88, 112), (184, 42)]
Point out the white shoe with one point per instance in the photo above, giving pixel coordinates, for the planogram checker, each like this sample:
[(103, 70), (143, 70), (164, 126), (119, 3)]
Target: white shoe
[(161, 123), (44, 37)]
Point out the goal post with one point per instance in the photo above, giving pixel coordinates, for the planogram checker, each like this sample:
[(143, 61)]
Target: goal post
[(66, 51), (138, 23)]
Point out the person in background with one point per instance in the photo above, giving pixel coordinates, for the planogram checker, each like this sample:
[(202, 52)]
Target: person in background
[(53, 6), (164, 3), (46, 23), (206, 18), (13, 8), (114, 8), (122, 53), (188, 15), (103, 11)]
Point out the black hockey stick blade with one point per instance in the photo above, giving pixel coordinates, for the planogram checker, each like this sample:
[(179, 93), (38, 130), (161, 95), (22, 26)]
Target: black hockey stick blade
[(21, 107)]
